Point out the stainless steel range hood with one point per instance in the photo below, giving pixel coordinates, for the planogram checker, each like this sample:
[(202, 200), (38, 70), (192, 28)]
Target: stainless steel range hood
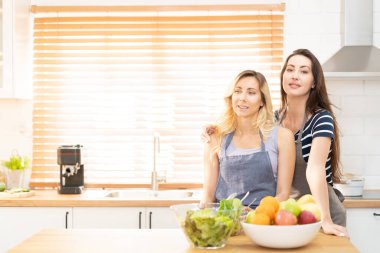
[(358, 57)]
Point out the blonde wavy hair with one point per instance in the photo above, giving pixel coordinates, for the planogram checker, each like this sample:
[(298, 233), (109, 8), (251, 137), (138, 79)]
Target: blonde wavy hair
[(227, 123)]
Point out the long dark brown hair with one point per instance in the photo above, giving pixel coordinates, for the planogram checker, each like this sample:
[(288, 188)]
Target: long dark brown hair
[(318, 99)]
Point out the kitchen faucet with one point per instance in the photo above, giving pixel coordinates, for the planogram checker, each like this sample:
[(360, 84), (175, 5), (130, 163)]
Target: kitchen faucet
[(156, 149)]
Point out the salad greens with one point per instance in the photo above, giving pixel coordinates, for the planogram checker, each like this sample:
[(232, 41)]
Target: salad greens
[(235, 206), (211, 228), (207, 228)]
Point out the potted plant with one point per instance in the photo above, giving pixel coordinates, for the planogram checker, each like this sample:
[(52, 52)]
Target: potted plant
[(17, 171)]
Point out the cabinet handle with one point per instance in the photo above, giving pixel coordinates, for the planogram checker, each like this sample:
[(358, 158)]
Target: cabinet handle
[(66, 220), (150, 220), (376, 214), (140, 213)]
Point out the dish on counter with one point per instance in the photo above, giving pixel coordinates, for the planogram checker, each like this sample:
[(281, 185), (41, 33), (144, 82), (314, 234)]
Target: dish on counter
[(281, 237), (350, 185)]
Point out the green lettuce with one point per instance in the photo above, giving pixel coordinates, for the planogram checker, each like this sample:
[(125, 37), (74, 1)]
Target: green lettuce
[(236, 206), (207, 228)]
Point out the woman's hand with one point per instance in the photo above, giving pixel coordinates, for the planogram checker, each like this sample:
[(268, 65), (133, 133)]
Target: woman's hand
[(208, 130), (334, 229)]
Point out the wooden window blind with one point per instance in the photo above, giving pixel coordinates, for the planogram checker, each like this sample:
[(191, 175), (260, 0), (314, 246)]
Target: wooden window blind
[(109, 78)]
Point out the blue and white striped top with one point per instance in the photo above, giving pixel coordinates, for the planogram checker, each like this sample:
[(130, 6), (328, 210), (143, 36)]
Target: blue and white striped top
[(319, 125)]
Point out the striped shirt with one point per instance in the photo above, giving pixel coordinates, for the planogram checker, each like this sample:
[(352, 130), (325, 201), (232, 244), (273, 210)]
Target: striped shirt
[(321, 124)]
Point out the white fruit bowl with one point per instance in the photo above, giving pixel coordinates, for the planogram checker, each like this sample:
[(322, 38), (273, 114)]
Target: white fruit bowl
[(281, 237)]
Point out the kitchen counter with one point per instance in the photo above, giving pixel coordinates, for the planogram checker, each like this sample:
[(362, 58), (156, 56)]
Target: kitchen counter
[(90, 198), (369, 199), (94, 198), (155, 241)]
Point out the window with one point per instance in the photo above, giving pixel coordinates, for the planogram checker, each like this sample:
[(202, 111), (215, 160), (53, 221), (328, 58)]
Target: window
[(109, 78)]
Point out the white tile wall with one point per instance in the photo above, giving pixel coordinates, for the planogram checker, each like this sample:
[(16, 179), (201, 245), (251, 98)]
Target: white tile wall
[(359, 121), (313, 24)]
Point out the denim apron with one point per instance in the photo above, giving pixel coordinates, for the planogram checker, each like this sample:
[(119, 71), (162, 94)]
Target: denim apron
[(242, 173), (301, 187)]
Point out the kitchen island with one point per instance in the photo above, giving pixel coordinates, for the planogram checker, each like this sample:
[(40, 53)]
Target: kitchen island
[(155, 241)]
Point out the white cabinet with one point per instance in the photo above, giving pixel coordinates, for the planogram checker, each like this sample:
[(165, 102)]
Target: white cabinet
[(19, 223), (363, 225), (108, 217), (123, 217), (160, 217), (15, 49)]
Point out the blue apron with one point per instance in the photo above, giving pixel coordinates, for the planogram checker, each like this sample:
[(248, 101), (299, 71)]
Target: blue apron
[(242, 173)]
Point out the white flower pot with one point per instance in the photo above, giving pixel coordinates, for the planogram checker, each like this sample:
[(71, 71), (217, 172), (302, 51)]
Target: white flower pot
[(18, 178)]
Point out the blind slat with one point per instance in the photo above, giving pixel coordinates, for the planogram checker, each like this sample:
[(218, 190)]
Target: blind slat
[(161, 8), (161, 19)]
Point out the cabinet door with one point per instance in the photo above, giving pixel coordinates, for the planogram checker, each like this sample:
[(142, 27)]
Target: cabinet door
[(15, 49), (363, 225), (6, 16), (108, 217), (19, 223), (160, 217)]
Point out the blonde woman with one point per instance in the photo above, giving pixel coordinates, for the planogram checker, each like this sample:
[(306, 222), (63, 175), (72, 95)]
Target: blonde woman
[(248, 153)]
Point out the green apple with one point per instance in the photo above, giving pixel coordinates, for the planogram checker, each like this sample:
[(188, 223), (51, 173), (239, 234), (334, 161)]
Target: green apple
[(290, 205), (250, 216), (313, 208), (307, 198), (2, 186)]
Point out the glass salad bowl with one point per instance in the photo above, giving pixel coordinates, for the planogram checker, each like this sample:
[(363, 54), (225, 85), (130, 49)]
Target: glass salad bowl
[(208, 227)]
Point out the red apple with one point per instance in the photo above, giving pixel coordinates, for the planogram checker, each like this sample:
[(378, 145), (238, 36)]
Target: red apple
[(284, 217), (306, 217), (313, 208)]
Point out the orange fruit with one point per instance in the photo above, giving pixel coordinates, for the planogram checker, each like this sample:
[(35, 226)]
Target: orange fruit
[(260, 219), (266, 209), (270, 200)]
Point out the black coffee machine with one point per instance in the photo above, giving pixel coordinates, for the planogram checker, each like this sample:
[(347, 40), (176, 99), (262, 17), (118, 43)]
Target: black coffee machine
[(71, 169)]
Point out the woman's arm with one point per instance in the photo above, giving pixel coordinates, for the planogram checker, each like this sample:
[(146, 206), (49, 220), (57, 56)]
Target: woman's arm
[(286, 163), (316, 178), (211, 167)]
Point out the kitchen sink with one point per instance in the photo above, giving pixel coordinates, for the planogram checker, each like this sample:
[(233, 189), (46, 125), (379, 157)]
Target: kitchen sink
[(150, 194)]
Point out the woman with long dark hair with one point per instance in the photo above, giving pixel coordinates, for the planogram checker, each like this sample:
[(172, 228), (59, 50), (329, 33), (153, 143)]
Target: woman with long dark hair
[(306, 111)]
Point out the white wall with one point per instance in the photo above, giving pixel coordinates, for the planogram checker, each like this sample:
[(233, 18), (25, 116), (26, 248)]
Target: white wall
[(359, 119), (15, 127), (312, 24), (376, 23)]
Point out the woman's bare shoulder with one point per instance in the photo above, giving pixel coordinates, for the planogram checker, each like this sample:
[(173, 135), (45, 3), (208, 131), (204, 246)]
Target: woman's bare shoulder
[(285, 133)]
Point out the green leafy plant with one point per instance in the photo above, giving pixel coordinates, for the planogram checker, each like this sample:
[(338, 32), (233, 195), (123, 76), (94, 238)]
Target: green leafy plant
[(17, 162)]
